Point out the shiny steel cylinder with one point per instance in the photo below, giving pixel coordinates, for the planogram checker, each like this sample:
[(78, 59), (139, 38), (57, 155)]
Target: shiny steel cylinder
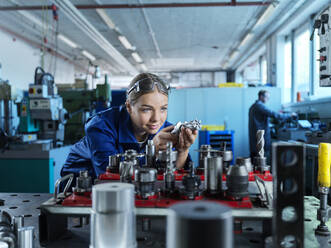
[(150, 153), (18, 222), (205, 151), (199, 224), (246, 162), (213, 174), (113, 221), (145, 179), (25, 237)]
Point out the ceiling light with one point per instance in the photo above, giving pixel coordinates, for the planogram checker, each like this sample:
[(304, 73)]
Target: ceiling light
[(67, 40), (246, 39), (136, 57), (125, 42), (234, 54), (143, 67), (266, 14), (88, 55), (102, 13)]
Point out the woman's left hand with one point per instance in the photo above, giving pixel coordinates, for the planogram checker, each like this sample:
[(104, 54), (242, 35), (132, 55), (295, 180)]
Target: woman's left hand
[(186, 139)]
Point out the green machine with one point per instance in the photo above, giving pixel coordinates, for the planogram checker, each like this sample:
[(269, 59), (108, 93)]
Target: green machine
[(82, 103)]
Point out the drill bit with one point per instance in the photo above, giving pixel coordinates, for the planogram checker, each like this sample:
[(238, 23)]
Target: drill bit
[(260, 143)]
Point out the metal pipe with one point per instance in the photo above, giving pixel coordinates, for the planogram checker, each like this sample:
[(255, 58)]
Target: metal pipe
[(140, 6)]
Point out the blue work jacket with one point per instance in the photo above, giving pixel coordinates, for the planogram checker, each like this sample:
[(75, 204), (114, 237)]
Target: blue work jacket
[(106, 133), (259, 120)]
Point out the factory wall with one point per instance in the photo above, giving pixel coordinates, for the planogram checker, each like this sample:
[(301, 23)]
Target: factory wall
[(19, 61), (216, 106)]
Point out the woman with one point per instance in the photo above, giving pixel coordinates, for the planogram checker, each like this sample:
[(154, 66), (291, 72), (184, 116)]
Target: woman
[(129, 127)]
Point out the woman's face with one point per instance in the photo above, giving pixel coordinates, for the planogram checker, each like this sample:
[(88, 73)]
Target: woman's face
[(149, 112)]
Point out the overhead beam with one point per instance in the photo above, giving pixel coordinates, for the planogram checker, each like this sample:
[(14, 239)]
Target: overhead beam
[(233, 3)]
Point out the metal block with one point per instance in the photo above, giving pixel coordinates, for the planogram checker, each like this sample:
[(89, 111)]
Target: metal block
[(288, 166)]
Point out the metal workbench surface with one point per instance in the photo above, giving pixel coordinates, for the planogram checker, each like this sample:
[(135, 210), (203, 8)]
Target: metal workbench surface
[(28, 205)]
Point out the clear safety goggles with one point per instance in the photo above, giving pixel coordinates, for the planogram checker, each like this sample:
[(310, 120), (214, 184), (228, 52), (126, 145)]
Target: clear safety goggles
[(144, 85)]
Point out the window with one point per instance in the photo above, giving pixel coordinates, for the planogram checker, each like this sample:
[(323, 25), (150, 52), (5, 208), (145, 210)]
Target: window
[(287, 71), (302, 62), (264, 71)]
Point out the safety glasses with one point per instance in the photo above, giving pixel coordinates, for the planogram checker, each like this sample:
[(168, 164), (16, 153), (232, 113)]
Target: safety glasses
[(145, 85)]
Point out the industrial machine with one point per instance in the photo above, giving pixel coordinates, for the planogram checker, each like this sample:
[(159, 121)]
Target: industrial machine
[(82, 103), (31, 136), (158, 185), (39, 116)]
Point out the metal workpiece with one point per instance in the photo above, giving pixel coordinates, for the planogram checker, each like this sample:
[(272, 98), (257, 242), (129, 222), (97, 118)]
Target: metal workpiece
[(246, 162), (199, 224), (237, 181), (260, 143), (113, 220), (150, 154), (145, 179), (193, 125), (288, 184), (205, 151), (213, 174), (114, 163), (169, 176), (7, 234), (83, 183), (17, 222), (191, 183), (25, 237), (126, 171), (260, 161)]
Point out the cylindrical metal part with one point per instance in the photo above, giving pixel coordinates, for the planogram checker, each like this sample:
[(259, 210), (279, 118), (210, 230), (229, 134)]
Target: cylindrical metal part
[(213, 174), (126, 171), (114, 163), (199, 224), (260, 143), (227, 156), (25, 237), (83, 182), (113, 221), (246, 162), (6, 233), (237, 181), (169, 181), (145, 179), (18, 222), (150, 154), (3, 244), (205, 151)]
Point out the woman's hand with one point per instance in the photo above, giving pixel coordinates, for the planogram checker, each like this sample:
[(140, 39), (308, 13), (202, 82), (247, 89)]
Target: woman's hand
[(186, 139), (163, 137)]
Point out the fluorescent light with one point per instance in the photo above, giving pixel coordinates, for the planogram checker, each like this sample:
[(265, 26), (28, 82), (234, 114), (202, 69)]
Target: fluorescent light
[(247, 38), (143, 67), (266, 14), (106, 18), (88, 55), (136, 57), (125, 42), (234, 54), (67, 40)]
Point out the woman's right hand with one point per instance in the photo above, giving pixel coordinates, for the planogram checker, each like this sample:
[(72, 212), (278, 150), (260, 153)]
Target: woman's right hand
[(161, 138)]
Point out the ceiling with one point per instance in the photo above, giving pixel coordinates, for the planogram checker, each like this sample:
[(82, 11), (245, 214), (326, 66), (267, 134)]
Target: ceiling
[(166, 38)]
